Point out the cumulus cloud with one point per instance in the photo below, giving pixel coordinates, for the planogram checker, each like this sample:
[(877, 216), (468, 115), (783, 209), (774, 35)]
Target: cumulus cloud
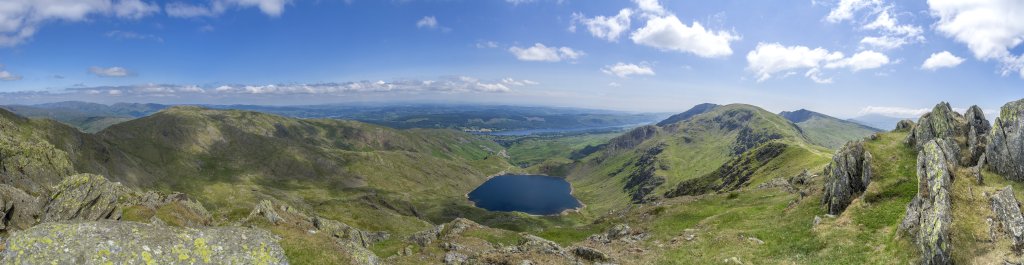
[(894, 111), (429, 22), (273, 8), (879, 17), (624, 70), (860, 61), (769, 59), (21, 19), (990, 29), (943, 59), (114, 71), (8, 76), (667, 33), (650, 6), (457, 84), (541, 53), (608, 28)]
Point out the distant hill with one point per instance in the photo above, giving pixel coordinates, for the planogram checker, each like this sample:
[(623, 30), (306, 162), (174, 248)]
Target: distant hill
[(879, 121), (87, 117), (826, 130), (696, 110)]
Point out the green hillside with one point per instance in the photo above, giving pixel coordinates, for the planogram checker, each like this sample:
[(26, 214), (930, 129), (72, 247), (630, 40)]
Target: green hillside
[(826, 130)]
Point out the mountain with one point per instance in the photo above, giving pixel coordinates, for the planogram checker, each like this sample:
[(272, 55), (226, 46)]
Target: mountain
[(87, 117), (696, 110), (879, 121), (826, 130)]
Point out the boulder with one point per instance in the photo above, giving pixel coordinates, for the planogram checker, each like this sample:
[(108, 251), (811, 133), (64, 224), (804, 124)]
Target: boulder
[(1005, 149), (590, 254), (109, 242), (847, 176), (1008, 216), (87, 197), (344, 232), (904, 125), (18, 210), (532, 243), (978, 130), (929, 214)]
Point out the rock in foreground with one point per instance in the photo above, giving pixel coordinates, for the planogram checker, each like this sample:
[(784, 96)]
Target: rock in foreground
[(103, 242), (929, 214), (846, 177), (1005, 150)]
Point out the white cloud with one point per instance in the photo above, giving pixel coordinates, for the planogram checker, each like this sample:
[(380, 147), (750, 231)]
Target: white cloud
[(486, 44), (123, 35), (861, 61), (427, 22), (21, 19), (624, 70), (608, 28), (943, 59), (273, 8), (539, 52), (8, 76), (109, 71), (899, 112), (667, 33), (769, 59), (614, 84), (990, 29), (650, 6), (877, 16)]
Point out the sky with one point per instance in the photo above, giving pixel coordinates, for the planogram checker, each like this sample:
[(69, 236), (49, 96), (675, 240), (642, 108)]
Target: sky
[(845, 58)]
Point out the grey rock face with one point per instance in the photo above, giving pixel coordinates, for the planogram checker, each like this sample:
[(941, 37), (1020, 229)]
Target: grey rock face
[(101, 242), (86, 197), (978, 130), (1005, 151), (846, 176), (928, 215), (1007, 213), (590, 254), (904, 125), (18, 210), (941, 122)]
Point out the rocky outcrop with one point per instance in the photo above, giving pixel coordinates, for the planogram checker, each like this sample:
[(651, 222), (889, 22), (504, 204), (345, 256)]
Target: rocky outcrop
[(941, 122), (732, 175), (28, 162), (642, 180), (355, 242), (590, 254), (978, 130), (18, 210), (108, 242), (1008, 216), (619, 232), (929, 215), (87, 197), (1005, 149), (847, 176), (904, 125)]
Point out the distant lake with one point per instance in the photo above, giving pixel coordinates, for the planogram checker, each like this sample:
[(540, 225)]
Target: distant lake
[(540, 195), (564, 130)]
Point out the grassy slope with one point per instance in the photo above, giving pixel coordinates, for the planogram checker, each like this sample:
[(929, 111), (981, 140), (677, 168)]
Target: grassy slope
[(831, 132), (533, 151)]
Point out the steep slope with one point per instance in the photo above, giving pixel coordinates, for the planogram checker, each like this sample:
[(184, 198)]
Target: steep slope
[(696, 110), (651, 161), (826, 130), (87, 117)]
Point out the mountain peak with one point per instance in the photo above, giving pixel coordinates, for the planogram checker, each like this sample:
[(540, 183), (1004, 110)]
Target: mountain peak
[(696, 110)]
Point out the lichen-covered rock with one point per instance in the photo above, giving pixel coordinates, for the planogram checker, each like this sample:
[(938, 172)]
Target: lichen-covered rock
[(532, 243), (424, 238), (27, 161), (86, 197), (18, 210), (978, 130), (941, 122), (846, 176), (590, 254), (929, 214), (904, 125), (342, 231), (113, 242), (1005, 151), (1007, 213)]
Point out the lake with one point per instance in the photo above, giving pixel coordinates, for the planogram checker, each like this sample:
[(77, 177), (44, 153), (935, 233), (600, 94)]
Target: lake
[(540, 195)]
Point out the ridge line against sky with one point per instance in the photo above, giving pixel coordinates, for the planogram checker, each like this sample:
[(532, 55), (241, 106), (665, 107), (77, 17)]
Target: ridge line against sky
[(845, 57)]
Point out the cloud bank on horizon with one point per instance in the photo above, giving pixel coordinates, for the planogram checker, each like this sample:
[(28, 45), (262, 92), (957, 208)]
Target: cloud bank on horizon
[(615, 53)]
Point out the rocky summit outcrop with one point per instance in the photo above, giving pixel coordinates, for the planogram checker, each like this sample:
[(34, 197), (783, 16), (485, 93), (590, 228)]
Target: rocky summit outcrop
[(18, 210), (847, 176), (1004, 153), (113, 242), (86, 197), (978, 129), (941, 122), (353, 241), (1008, 216), (904, 125), (928, 216), (27, 161)]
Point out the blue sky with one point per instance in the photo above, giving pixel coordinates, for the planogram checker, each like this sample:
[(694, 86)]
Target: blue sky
[(845, 57)]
